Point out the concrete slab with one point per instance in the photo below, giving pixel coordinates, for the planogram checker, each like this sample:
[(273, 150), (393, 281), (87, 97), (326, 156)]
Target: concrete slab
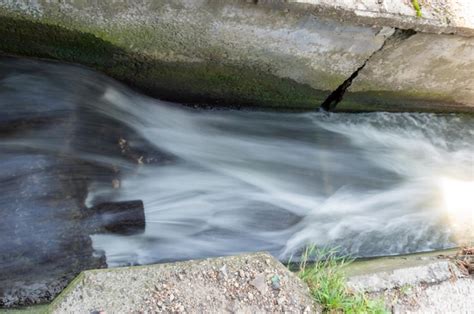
[(244, 284), (418, 283), (421, 73), (394, 272), (446, 297)]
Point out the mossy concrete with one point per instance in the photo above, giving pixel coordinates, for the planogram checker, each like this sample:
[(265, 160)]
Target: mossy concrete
[(390, 263), (36, 309), (275, 54), (177, 81), (231, 53), (400, 101)]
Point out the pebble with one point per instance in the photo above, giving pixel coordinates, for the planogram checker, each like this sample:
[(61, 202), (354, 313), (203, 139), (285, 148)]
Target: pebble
[(276, 282), (250, 296), (223, 272), (259, 283)]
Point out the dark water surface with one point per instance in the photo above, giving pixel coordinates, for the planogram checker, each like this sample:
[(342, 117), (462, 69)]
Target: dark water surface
[(212, 182)]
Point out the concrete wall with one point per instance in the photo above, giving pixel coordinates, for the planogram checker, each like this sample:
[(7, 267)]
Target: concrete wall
[(252, 53), (426, 71), (435, 16)]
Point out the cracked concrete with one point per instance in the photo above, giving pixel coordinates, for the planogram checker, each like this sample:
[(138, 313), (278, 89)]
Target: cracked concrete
[(263, 43), (290, 55), (394, 37), (424, 71)]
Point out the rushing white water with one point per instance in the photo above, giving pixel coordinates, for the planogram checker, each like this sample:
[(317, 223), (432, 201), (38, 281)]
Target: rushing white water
[(371, 184), (245, 181)]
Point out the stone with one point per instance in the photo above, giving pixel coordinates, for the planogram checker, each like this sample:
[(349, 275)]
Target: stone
[(276, 282), (250, 296), (223, 272), (260, 284)]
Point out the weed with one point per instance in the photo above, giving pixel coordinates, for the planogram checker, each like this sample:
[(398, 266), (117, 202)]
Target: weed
[(322, 270), (417, 7)]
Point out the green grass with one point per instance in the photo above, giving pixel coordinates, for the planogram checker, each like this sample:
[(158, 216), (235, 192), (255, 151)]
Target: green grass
[(327, 283), (417, 7)]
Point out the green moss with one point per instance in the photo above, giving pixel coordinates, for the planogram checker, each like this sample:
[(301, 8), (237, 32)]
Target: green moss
[(36, 309), (398, 101), (218, 84), (391, 263), (417, 8), (190, 82), (71, 286)]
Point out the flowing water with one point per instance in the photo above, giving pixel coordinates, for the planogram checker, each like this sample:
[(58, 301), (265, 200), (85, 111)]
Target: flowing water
[(221, 182)]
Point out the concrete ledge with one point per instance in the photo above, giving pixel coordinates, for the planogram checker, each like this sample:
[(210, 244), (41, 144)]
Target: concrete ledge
[(431, 272), (245, 284), (437, 16), (394, 272), (417, 283)]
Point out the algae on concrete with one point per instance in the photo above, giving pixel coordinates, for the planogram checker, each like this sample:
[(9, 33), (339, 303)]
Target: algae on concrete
[(234, 53), (35, 309), (275, 54), (177, 81)]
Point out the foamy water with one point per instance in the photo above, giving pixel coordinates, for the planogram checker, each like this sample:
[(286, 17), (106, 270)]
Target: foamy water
[(370, 184), (246, 181)]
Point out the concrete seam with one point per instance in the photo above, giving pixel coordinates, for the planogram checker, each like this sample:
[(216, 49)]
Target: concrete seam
[(335, 97)]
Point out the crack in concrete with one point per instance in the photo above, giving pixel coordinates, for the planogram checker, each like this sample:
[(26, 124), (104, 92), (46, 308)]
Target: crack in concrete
[(330, 103)]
